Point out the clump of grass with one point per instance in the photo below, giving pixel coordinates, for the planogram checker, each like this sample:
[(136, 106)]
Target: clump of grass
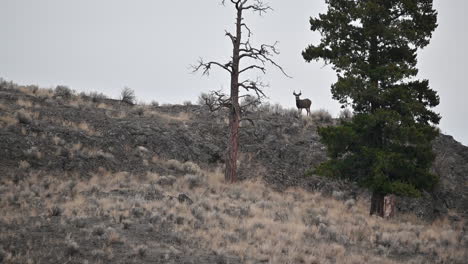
[(24, 164)]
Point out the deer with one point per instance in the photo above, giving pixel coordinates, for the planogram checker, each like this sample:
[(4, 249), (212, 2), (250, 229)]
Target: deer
[(302, 103)]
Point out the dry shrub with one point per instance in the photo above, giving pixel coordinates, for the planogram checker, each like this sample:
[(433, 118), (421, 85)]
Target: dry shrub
[(345, 115), (64, 92), (127, 95), (25, 116), (322, 116)]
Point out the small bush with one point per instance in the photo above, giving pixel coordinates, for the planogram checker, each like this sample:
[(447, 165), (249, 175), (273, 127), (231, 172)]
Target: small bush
[(250, 103), (23, 116), (187, 103), (63, 91), (128, 96), (154, 103), (322, 116), (98, 231), (55, 211), (345, 115), (206, 99), (72, 247), (140, 111), (141, 250), (97, 97)]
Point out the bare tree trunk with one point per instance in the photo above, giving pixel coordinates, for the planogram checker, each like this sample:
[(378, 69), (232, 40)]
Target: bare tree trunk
[(233, 146), (258, 57), (383, 205), (230, 174)]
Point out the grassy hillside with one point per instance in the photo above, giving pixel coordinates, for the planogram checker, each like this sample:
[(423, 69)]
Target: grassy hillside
[(89, 180)]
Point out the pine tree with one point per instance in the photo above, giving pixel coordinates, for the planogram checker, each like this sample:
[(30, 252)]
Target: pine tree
[(372, 45)]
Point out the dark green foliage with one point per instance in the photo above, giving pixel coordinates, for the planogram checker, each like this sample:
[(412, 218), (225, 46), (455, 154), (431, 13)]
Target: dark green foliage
[(372, 46)]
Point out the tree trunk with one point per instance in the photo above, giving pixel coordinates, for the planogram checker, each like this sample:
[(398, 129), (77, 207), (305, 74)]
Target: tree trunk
[(383, 205), (230, 174), (377, 204)]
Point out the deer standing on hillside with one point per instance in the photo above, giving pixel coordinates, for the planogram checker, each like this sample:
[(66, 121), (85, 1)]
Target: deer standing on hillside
[(302, 103)]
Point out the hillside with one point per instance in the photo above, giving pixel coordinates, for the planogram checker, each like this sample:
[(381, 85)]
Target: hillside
[(89, 178)]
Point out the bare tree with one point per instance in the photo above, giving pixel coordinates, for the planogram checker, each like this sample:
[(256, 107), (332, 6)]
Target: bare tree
[(257, 58)]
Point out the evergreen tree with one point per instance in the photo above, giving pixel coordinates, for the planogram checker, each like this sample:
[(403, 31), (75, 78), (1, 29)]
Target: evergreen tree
[(372, 46)]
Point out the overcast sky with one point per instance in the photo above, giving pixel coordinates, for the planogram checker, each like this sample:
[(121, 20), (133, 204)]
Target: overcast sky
[(148, 45)]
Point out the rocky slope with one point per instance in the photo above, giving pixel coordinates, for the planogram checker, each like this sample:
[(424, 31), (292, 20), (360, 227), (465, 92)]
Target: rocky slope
[(81, 134), (108, 182)]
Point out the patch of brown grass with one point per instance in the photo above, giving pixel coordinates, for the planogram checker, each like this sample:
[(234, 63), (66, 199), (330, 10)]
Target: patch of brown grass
[(7, 120), (37, 92), (77, 126), (180, 117), (247, 219), (24, 103)]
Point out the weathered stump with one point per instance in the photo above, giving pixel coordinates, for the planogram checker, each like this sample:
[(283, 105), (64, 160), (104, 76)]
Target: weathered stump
[(383, 205), (389, 206)]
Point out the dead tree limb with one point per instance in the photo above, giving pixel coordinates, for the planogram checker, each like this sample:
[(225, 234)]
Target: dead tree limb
[(258, 59)]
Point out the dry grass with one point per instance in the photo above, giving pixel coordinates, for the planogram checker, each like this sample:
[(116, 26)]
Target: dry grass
[(36, 92), (180, 117), (24, 103), (77, 126), (3, 107), (105, 106), (248, 219), (7, 120)]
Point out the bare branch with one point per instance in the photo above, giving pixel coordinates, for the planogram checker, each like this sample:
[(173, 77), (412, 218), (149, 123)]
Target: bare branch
[(232, 37), (263, 54), (263, 69), (249, 32), (256, 86), (217, 100), (259, 6), (206, 66)]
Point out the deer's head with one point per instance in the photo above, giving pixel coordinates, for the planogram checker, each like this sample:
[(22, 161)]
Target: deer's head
[(297, 95)]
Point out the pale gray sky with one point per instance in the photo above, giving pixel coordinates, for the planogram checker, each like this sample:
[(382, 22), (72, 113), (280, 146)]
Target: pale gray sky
[(147, 45)]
